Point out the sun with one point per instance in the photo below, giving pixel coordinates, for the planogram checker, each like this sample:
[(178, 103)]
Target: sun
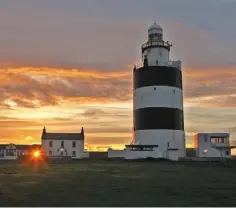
[(36, 153)]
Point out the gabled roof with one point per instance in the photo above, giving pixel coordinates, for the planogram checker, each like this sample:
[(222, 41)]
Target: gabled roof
[(62, 136), (3, 146), (21, 146)]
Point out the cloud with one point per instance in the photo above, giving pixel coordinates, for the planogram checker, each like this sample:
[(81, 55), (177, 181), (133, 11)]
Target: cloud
[(107, 131), (37, 87), (96, 113), (210, 86), (34, 88)]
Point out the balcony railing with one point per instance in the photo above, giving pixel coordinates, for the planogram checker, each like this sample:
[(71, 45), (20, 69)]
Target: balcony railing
[(176, 64), (231, 144), (156, 43)]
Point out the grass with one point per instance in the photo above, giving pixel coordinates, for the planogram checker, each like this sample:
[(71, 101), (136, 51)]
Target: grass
[(114, 183)]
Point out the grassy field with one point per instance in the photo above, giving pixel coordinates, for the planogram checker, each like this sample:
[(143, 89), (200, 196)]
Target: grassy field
[(110, 183)]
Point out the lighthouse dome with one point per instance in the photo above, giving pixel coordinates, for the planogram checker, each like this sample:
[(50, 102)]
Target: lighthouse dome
[(155, 26)]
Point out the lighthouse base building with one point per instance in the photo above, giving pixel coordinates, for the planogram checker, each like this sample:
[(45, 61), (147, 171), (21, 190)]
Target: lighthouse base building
[(158, 122)]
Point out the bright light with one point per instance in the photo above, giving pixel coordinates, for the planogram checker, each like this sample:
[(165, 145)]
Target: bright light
[(36, 154), (205, 150)]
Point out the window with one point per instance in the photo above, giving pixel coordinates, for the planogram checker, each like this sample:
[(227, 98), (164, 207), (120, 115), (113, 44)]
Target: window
[(1, 153), (50, 143), (61, 153), (62, 144), (222, 140), (10, 152), (155, 88), (140, 148), (74, 144), (73, 154), (219, 140), (50, 153)]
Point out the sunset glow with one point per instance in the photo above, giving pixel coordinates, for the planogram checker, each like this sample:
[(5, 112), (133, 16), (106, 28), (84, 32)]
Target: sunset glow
[(36, 154), (67, 69)]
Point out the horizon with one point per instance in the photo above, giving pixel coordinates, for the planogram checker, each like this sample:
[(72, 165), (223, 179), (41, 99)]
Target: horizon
[(70, 66)]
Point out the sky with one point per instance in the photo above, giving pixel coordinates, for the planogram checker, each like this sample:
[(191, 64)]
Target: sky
[(68, 64)]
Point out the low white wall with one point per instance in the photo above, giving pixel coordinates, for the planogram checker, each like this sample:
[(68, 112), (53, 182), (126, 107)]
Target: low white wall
[(85, 155), (212, 152), (173, 155), (116, 153), (130, 155), (8, 158)]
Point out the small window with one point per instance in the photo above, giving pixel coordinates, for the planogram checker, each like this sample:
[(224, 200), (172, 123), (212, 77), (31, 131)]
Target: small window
[(62, 144), (74, 144), (155, 88), (61, 153), (50, 144), (50, 153), (73, 154)]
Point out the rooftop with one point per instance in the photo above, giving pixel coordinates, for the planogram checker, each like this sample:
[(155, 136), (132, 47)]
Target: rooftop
[(62, 136)]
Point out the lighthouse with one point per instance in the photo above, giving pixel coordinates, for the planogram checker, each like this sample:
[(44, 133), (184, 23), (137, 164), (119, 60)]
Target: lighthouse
[(158, 97)]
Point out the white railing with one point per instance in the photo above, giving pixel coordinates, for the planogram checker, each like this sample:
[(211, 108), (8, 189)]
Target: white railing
[(231, 144), (156, 43), (176, 64)]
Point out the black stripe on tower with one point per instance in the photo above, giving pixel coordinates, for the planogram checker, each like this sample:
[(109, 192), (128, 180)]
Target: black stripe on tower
[(157, 76), (158, 118)]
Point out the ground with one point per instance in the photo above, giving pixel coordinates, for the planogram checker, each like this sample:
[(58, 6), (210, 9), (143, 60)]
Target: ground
[(113, 183)]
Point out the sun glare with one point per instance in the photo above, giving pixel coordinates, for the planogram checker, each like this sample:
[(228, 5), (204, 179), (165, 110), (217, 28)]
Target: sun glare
[(36, 154)]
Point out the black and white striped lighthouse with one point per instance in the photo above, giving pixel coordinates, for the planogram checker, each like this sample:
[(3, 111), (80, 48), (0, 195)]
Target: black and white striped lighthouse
[(158, 97)]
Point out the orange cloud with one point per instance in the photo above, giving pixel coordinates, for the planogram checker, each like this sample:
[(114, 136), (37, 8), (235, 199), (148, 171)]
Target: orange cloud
[(41, 87), (212, 86)]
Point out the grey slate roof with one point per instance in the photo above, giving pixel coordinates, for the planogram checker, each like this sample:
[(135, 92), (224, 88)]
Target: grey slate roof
[(62, 136), (21, 146)]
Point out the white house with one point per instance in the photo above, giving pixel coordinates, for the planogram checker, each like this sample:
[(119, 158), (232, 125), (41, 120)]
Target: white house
[(213, 145), (14, 151), (64, 144)]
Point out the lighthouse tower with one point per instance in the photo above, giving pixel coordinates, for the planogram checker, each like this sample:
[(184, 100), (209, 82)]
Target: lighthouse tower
[(158, 97)]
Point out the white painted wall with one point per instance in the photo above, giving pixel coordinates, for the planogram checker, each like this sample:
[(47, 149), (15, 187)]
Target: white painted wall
[(8, 157), (173, 155), (161, 137), (158, 96), (157, 153), (4, 153), (79, 149), (204, 143), (157, 54), (132, 155)]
